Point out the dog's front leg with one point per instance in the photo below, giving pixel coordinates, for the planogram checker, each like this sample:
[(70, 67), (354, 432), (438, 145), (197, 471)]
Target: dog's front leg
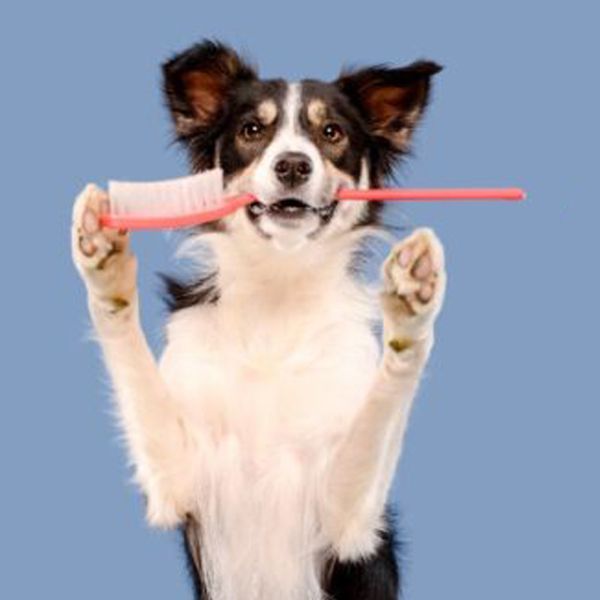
[(158, 441), (363, 467)]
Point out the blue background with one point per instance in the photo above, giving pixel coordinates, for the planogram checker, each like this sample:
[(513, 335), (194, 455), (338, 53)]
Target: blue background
[(499, 481)]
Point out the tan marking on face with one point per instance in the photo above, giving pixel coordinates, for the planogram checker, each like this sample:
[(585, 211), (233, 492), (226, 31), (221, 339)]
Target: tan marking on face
[(316, 111), (267, 112)]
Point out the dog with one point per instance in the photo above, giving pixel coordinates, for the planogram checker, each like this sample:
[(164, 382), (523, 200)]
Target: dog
[(271, 426)]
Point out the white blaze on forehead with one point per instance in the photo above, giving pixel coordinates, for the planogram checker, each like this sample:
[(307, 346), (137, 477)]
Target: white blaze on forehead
[(292, 106), (290, 137)]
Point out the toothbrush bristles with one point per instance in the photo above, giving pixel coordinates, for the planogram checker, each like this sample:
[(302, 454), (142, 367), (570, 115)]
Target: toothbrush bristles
[(165, 199)]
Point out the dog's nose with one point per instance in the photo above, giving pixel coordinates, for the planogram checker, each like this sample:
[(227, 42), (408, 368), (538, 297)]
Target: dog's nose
[(293, 168)]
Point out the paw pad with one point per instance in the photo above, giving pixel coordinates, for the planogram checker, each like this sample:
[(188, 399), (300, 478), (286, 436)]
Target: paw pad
[(413, 273)]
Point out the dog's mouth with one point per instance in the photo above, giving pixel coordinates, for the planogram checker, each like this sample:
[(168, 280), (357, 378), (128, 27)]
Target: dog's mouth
[(291, 209)]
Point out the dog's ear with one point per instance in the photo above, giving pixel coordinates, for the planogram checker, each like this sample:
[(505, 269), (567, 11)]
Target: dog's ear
[(391, 100), (197, 84)]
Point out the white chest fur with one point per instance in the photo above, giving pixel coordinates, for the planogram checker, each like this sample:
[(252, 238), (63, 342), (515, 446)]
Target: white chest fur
[(268, 384)]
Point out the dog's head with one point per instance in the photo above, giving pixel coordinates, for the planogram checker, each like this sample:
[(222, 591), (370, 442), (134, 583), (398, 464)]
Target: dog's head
[(293, 145)]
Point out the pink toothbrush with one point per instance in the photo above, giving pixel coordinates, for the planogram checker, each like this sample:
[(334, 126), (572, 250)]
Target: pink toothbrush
[(197, 199)]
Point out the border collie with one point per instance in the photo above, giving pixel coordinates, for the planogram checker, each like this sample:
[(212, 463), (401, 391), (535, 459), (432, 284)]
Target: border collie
[(270, 428)]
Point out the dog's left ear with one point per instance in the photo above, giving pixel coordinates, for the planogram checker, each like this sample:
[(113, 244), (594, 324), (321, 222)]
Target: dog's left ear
[(197, 84), (391, 100)]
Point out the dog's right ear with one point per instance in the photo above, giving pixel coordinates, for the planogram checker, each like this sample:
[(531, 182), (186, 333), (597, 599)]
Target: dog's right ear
[(197, 84), (391, 100)]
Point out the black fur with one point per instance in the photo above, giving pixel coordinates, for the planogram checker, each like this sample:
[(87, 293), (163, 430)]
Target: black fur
[(376, 578), (190, 536), (339, 110), (179, 294), (235, 156)]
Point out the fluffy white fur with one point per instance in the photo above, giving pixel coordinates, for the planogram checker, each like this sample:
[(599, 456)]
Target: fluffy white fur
[(271, 416)]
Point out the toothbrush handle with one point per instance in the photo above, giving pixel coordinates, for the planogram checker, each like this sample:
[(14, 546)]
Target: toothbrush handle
[(230, 205), (432, 194)]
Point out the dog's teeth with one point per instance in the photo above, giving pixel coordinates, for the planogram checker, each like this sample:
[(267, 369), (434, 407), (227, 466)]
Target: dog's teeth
[(257, 208), (326, 211)]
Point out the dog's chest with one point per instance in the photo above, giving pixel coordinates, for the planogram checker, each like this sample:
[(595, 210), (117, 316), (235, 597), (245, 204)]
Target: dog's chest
[(267, 391), (268, 375)]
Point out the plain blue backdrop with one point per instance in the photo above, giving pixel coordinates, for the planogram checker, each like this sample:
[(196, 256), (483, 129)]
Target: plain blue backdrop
[(499, 481)]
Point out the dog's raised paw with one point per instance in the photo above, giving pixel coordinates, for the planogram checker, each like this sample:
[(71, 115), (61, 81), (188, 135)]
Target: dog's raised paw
[(414, 282), (94, 245), (101, 255)]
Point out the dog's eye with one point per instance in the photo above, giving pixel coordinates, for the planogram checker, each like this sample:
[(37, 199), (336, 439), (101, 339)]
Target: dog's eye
[(333, 133), (252, 130)]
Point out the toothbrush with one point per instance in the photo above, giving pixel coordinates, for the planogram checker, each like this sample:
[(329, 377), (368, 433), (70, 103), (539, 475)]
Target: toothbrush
[(196, 199)]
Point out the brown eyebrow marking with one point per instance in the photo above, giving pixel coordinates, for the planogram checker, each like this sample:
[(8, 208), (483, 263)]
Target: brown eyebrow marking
[(316, 111), (267, 111)]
